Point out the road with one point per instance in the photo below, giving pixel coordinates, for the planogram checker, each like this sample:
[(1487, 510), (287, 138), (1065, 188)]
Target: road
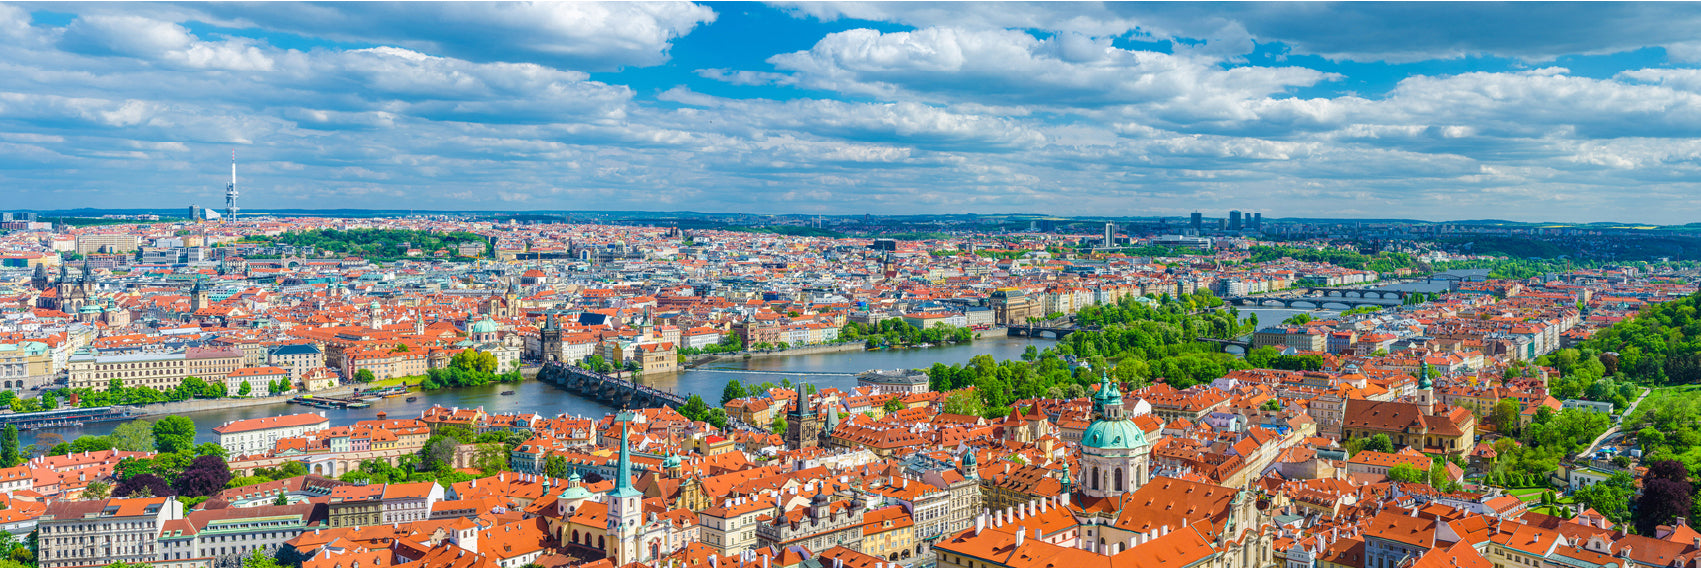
[(1614, 428)]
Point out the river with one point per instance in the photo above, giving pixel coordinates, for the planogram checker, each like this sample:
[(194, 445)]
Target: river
[(823, 369)]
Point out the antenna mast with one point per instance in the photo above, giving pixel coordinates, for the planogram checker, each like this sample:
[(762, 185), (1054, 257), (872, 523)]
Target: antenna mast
[(230, 191)]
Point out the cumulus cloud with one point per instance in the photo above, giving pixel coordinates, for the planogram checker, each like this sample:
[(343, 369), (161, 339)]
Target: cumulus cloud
[(984, 109), (1002, 66), (576, 35), (1399, 32)]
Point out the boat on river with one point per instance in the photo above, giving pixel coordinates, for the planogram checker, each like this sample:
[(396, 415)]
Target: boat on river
[(507, 393)]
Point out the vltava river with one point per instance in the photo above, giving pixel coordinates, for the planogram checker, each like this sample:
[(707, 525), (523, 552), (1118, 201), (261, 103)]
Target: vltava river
[(826, 370)]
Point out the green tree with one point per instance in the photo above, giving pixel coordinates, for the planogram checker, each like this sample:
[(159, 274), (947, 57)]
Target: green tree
[(282, 499), (365, 375), (1405, 473), (1611, 498), (133, 436), (1505, 416), (491, 459), (438, 453), (260, 559), (245, 389), (734, 390), (9, 446), (174, 434), (893, 404), (97, 490), (778, 426), (556, 466), (695, 409), (964, 403)]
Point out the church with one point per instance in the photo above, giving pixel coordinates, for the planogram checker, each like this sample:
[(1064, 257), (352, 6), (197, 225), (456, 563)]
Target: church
[(1118, 513), (614, 523)]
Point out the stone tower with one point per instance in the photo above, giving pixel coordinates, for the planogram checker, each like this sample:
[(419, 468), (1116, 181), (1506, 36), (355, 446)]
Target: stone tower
[(803, 427)]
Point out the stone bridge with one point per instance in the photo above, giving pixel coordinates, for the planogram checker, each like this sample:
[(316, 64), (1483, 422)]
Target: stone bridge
[(1361, 293), (613, 391), (1226, 344), (1303, 301), (1049, 332)]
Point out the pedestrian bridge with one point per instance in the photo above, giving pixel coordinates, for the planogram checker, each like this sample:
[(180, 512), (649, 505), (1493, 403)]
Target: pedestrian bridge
[(610, 390)]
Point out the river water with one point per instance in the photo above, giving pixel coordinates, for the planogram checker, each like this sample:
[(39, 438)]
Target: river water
[(823, 369)]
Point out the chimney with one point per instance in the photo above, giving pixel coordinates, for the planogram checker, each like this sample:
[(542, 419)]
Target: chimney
[(1021, 537), (980, 523)]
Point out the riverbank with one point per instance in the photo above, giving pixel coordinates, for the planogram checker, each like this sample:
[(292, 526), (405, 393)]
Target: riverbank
[(204, 404), (701, 360)]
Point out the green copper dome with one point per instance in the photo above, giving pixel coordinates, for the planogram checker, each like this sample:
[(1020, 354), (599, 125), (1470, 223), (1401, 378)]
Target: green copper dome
[(1107, 397), (671, 461), (1114, 435), (484, 326)]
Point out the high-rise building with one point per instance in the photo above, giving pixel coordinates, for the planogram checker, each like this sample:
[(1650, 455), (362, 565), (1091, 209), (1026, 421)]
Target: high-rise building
[(1109, 234), (1257, 220), (1198, 221), (1234, 221)]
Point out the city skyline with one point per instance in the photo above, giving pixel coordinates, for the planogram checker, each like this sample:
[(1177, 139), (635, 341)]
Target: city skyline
[(1528, 112)]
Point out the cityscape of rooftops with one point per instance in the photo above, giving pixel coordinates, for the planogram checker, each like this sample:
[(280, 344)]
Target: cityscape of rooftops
[(850, 285)]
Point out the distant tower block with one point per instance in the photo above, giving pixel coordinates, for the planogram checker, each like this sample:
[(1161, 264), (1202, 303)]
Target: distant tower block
[(230, 191)]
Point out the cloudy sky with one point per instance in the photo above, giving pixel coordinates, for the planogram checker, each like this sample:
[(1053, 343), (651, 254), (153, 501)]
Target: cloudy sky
[(1564, 112)]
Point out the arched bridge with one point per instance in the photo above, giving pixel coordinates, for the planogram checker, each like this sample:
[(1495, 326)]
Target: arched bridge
[(610, 390), (1226, 344), (1361, 293), (1052, 332), (1297, 301)]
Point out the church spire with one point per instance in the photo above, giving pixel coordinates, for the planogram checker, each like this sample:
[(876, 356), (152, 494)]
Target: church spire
[(623, 468)]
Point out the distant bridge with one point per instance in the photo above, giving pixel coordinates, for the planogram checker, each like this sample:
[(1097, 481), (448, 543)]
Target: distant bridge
[(1051, 332), (1361, 293), (1225, 344), (1303, 301), (794, 373)]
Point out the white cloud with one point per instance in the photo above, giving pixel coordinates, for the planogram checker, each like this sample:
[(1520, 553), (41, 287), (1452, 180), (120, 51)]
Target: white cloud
[(579, 35), (1010, 65)]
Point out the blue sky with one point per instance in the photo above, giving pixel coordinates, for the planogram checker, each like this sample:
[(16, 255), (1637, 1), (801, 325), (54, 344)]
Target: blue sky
[(1529, 111)]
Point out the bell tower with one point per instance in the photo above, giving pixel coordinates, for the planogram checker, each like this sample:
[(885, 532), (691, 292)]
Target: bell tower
[(803, 430)]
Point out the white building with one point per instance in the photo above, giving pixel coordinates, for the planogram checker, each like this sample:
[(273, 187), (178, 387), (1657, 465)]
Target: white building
[(256, 435)]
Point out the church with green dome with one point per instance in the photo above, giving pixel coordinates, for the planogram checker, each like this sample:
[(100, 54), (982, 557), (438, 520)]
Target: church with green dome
[(1115, 455)]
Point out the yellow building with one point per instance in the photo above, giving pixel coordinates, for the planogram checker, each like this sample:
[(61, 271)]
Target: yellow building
[(889, 533)]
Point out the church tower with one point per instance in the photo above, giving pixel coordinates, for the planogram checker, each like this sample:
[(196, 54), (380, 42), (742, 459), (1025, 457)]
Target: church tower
[(625, 505), (1425, 389), (39, 281), (802, 428), (1115, 456), (197, 297)]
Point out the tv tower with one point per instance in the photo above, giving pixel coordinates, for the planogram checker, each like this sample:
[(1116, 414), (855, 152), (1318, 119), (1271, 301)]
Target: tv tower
[(230, 191)]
